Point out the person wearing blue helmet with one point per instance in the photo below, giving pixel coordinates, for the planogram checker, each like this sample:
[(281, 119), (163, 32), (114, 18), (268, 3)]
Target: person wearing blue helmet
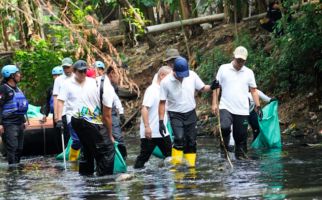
[(100, 67), (49, 107), (13, 107)]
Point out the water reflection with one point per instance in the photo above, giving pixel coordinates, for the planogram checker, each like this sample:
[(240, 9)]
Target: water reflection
[(272, 169), (271, 174)]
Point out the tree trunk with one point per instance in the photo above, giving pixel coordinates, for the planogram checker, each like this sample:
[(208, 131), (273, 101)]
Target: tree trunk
[(229, 16), (166, 13), (149, 14), (260, 6), (22, 38), (235, 10), (36, 13), (220, 7), (185, 9), (24, 5), (4, 33), (244, 9)]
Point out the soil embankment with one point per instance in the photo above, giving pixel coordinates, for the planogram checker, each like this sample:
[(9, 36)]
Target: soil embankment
[(300, 115)]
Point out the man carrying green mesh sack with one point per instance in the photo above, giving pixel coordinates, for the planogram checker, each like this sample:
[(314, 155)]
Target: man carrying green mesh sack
[(149, 128)]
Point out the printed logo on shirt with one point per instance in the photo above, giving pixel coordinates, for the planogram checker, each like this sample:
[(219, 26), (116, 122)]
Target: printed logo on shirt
[(91, 116)]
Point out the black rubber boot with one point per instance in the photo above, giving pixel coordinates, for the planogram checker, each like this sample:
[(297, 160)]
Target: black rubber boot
[(241, 151), (85, 168)]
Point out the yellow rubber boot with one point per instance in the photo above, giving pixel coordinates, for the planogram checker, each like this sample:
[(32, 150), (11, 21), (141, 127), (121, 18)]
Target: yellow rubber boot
[(176, 156), (73, 154), (191, 159)]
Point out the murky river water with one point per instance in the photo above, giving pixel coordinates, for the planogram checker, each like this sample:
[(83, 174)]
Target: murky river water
[(295, 172)]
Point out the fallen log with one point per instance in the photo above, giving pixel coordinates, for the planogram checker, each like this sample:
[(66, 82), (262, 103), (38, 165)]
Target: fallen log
[(186, 22), (6, 53), (254, 17)]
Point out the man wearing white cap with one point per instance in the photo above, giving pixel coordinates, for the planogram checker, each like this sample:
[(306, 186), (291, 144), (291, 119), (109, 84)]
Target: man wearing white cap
[(236, 81)]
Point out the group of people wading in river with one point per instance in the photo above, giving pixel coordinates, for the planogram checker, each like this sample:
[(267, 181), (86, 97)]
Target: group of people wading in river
[(85, 104)]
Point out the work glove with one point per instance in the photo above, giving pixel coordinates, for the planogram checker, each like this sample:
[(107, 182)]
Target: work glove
[(122, 119), (272, 99), (214, 84), (162, 129), (59, 124), (259, 112)]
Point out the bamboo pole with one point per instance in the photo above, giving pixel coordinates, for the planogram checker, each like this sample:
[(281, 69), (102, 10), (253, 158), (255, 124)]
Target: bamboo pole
[(187, 22)]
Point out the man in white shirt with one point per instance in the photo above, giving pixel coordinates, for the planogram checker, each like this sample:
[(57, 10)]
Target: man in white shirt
[(178, 90), (236, 81), (80, 95), (149, 127), (58, 85)]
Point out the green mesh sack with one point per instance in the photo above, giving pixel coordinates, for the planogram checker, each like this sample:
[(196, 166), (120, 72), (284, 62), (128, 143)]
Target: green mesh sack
[(67, 149), (157, 152), (270, 134), (119, 163), (33, 111)]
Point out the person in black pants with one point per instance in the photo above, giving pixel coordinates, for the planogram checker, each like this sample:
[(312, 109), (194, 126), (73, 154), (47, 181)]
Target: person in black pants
[(13, 107), (236, 80), (82, 102), (149, 127), (117, 113)]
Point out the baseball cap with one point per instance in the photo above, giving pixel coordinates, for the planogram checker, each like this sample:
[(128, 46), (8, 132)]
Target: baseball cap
[(181, 67), (171, 54), (67, 62), (80, 65), (241, 52), (99, 64)]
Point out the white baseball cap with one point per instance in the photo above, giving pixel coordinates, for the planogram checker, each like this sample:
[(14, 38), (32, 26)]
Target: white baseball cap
[(241, 52)]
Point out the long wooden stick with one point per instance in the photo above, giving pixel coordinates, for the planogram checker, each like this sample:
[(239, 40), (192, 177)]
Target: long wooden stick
[(220, 133), (222, 141)]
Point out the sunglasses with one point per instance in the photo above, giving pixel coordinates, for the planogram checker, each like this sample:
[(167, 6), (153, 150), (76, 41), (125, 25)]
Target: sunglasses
[(240, 60), (82, 71)]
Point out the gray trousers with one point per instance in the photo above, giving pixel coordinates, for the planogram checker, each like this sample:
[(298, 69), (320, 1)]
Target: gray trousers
[(240, 124)]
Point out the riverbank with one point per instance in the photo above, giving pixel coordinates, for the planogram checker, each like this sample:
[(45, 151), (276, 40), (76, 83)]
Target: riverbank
[(299, 112)]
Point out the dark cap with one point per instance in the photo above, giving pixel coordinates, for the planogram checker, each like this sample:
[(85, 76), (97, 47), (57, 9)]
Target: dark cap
[(171, 54), (181, 67), (80, 65)]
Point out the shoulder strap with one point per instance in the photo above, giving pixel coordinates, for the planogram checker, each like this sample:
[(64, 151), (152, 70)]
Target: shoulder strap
[(101, 91), (10, 88)]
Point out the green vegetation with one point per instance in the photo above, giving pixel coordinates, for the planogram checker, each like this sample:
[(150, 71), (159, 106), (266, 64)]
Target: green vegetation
[(292, 64), (36, 68)]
